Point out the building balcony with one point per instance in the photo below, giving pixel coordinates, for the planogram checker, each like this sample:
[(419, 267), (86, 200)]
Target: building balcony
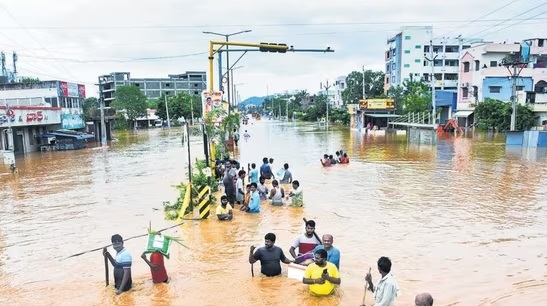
[(109, 113)]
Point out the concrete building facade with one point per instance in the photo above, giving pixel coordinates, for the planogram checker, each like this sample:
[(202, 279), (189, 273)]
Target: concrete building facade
[(192, 82), (406, 54), (27, 110)]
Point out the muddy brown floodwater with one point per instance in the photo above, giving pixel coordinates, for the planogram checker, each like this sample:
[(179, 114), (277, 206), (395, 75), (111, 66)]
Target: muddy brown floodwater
[(465, 220)]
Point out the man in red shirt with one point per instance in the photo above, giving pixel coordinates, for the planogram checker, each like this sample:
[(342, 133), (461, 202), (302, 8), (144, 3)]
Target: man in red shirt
[(157, 268)]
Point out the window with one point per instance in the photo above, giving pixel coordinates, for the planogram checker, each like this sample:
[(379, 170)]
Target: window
[(407, 37), (451, 49), (387, 80), (418, 47), (407, 51), (426, 63), (493, 64), (540, 42), (438, 63), (520, 88), (451, 76), (393, 66), (466, 66), (407, 66), (426, 49), (417, 60), (392, 79), (494, 89), (477, 65), (416, 74), (465, 92), (437, 49), (451, 63)]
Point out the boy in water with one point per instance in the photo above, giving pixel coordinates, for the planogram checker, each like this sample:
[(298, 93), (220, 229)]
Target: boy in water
[(157, 267), (245, 206), (122, 265)]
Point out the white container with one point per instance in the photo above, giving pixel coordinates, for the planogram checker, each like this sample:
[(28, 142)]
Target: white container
[(296, 271)]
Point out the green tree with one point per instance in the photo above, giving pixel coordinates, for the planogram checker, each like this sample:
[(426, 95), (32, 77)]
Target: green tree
[(132, 101), (417, 96), (374, 86), (152, 103), (496, 114), (397, 93), (180, 106), (29, 80), (89, 106)]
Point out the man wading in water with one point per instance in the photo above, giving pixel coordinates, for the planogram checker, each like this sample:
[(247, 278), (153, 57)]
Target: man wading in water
[(122, 265), (229, 182), (269, 256)]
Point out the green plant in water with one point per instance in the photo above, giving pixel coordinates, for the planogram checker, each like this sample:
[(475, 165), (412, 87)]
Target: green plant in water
[(199, 181)]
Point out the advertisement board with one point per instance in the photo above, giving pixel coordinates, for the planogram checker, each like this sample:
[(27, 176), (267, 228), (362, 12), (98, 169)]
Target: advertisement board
[(72, 122), (377, 104), (211, 100), (71, 90), (23, 117)]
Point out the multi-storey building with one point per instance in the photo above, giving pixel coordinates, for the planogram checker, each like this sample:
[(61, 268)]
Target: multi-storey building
[(339, 86), (483, 75), (27, 110), (192, 82), (406, 57)]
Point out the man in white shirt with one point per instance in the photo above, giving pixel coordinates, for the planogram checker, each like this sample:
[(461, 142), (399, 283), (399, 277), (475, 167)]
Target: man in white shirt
[(385, 291)]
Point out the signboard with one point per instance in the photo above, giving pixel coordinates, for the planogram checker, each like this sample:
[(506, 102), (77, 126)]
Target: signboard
[(72, 122), (19, 117), (211, 100), (71, 90), (377, 104)]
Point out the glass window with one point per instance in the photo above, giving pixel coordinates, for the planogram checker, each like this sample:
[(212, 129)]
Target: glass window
[(407, 51), (407, 65), (417, 60), (418, 47), (407, 37)]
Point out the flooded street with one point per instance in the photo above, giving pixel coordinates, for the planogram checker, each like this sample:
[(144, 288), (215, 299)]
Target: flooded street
[(464, 220)]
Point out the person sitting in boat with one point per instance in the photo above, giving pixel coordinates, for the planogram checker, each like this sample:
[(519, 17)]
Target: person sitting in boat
[(262, 189), (325, 161), (333, 254), (277, 194), (305, 242), (321, 276), (296, 194)]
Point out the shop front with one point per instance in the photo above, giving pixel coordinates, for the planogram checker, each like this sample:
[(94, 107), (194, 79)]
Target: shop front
[(19, 126)]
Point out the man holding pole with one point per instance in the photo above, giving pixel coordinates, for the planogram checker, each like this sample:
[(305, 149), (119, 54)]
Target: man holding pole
[(122, 265), (385, 291)]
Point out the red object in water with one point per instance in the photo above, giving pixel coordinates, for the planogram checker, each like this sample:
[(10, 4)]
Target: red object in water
[(159, 275)]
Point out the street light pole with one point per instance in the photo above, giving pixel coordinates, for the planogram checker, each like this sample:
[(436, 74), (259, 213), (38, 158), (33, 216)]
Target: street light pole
[(102, 106), (228, 80), (326, 87), (167, 112)]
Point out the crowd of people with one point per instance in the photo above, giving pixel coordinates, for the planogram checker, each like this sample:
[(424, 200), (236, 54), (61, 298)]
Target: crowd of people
[(249, 189), (329, 160)]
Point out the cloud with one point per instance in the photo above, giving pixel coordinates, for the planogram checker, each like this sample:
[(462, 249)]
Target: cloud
[(80, 40)]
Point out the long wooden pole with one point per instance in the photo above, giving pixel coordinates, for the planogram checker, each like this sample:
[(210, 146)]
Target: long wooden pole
[(106, 273), (314, 233)]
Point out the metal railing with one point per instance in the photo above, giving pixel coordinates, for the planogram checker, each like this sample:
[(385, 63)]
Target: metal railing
[(417, 118)]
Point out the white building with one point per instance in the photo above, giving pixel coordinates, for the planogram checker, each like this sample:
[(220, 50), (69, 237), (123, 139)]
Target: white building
[(406, 54), (483, 76), (339, 86), (27, 110)]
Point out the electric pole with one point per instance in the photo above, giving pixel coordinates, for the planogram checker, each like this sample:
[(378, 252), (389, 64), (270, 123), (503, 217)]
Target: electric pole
[(326, 87), (364, 90), (229, 73), (167, 112), (432, 62), (515, 72), (102, 106)]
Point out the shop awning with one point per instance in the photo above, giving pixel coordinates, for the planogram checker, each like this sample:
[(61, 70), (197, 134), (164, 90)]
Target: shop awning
[(382, 115), (463, 114)]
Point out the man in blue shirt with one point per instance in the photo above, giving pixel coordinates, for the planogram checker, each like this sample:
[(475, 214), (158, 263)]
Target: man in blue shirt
[(333, 254), (253, 174), (122, 265), (254, 202)]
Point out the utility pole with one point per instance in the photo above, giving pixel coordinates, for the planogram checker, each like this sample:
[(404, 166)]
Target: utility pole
[(229, 74), (326, 87), (102, 106), (167, 112), (432, 62), (514, 99), (364, 90)]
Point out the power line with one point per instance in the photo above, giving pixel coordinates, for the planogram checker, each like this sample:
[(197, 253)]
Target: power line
[(512, 25), (34, 38), (117, 61), (481, 17), (513, 18), (244, 25)]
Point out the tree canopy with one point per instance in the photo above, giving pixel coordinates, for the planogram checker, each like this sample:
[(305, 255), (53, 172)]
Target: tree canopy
[(374, 86), (180, 105), (496, 114), (131, 100)]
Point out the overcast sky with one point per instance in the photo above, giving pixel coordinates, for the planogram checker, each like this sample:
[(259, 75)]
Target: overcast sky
[(77, 40)]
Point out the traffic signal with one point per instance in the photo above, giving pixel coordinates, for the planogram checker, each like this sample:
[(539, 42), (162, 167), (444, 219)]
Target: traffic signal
[(273, 50)]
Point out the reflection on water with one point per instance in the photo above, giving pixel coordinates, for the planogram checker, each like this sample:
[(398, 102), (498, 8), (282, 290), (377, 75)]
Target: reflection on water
[(463, 220)]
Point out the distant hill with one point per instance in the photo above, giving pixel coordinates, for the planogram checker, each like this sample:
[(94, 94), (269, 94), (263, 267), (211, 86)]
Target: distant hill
[(257, 101)]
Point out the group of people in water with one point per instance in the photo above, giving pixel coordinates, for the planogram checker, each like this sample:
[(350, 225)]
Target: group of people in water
[(329, 160), (249, 196)]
